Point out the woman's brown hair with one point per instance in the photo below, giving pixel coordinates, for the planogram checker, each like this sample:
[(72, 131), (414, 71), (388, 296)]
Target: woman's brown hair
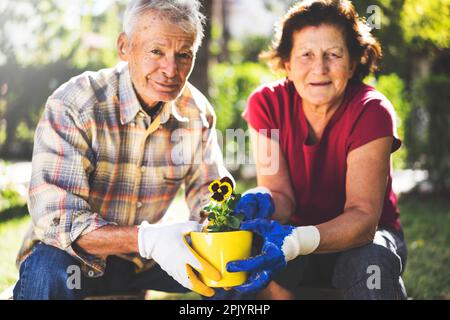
[(364, 49)]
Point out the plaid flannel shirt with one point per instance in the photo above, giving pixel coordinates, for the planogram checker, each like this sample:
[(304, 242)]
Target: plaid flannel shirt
[(99, 159)]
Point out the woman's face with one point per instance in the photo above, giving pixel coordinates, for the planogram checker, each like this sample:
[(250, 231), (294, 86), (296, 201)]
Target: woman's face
[(320, 65)]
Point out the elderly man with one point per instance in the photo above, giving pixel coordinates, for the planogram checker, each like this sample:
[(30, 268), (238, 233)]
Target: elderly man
[(111, 151)]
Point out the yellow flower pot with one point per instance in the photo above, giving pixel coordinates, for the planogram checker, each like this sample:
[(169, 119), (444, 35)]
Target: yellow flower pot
[(218, 248)]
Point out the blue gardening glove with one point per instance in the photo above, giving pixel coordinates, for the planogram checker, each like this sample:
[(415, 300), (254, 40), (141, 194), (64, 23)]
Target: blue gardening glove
[(282, 243), (256, 203)]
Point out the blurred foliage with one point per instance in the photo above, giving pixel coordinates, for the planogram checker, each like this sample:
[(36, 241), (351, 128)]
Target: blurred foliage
[(426, 23), (12, 202), (26, 94), (231, 85), (248, 49), (433, 95), (83, 31), (9, 197), (410, 31), (230, 88), (65, 39)]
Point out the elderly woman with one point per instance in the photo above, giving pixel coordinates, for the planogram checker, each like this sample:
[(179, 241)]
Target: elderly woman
[(329, 138)]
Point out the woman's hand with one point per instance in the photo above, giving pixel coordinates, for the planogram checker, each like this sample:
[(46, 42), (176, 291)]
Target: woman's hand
[(256, 203), (282, 243)]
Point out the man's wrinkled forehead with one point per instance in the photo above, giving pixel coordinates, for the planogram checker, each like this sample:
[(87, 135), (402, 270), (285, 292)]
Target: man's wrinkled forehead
[(152, 19), (160, 32)]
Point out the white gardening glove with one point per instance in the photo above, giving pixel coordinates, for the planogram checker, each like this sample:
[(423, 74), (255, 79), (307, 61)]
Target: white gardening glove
[(167, 245)]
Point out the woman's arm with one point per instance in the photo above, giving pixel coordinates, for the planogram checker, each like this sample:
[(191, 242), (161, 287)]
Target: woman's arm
[(366, 180), (367, 174), (272, 172)]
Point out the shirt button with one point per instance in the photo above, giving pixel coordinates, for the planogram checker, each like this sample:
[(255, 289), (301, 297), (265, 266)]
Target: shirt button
[(142, 169), (139, 205)]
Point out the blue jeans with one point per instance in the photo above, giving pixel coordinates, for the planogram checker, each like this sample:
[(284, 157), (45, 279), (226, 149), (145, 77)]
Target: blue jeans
[(372, 271), (44, 275)]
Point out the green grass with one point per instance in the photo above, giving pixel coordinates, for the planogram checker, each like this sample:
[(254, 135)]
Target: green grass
[(426, 223), (11, 235)]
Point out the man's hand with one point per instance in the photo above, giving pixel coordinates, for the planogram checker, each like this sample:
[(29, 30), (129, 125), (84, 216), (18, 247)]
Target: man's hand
[(282, 243), (166, 244), (256, 203)]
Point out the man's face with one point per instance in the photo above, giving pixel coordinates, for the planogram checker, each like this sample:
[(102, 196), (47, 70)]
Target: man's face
[(160, 56)]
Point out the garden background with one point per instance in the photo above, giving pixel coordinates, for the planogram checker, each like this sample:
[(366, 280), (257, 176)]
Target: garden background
[(45, 42)]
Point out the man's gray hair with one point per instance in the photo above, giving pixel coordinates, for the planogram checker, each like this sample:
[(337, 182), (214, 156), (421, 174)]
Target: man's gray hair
[(184, 13)]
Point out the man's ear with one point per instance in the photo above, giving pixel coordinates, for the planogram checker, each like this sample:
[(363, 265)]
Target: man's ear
[(122, 46)]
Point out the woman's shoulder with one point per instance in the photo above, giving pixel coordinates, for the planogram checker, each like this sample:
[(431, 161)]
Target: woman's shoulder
[(363, 96), (372, 115), (267, 103), (361, 93)]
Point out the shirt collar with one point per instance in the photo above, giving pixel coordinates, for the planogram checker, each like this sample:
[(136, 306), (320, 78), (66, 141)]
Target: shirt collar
[(130, 105)]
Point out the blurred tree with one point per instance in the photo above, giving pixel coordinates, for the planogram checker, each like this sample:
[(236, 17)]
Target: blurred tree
[(433, 94), (26, 93), (57, 40), (231, 86), (393, 87), (224, 55), (248, 49), (415, 37), (199, 77), (426, 24)]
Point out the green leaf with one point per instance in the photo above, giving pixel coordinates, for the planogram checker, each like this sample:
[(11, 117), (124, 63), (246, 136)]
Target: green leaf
[(233, 222), (240, 216), (216, 210), (233, 202), (214, 228), (211, 216)]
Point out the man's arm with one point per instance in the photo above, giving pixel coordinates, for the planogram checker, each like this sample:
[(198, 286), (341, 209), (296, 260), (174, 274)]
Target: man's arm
[(59, 187), (109, 240)]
